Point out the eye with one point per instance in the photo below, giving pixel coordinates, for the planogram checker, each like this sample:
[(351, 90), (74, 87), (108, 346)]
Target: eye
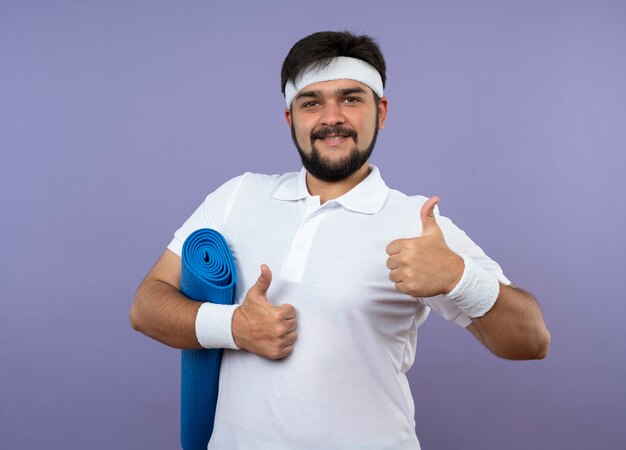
[(310, 104), (351, 100)]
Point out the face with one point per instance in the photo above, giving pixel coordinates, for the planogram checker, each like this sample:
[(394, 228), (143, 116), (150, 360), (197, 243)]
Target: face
[(334, 125)]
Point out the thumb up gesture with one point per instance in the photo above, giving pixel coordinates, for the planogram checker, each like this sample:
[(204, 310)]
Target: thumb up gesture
[(263, 328), (424, 266)]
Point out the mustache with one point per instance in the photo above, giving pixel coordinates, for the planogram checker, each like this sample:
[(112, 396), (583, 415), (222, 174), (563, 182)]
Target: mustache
[(329, 131)]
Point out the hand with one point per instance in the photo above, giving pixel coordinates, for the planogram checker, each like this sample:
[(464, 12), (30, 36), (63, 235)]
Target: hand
[(262, 328), (424, 266)]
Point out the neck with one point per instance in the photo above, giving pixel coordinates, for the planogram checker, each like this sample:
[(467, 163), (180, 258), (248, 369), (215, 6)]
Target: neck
[(330, 190)]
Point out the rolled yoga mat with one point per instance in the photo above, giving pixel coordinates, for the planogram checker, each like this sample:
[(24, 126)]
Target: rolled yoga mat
[(208, 273)]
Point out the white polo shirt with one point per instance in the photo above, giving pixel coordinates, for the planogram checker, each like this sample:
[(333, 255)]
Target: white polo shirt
[(344, 385)]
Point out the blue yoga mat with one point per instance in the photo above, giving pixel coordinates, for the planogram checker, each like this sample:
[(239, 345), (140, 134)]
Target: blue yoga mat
[(208, 273)]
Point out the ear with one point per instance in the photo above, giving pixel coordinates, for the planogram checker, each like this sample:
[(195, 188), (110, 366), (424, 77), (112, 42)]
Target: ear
[(383, 107), (288, 117)]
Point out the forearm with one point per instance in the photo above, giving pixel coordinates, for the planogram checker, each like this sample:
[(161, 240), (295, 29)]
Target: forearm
[(514, 327), (161, 312)]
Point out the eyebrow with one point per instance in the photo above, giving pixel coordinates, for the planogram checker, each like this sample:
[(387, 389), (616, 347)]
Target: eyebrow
[(350, 91), (339, 92)]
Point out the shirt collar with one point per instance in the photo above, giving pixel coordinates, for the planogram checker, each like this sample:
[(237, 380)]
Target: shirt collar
[(367, 197), (293, 187)]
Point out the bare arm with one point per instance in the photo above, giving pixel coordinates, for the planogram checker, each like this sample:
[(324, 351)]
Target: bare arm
[(425, 267), (513, 328), (161, 312)]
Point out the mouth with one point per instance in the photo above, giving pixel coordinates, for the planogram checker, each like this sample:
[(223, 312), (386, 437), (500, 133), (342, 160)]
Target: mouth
[(334, 138)]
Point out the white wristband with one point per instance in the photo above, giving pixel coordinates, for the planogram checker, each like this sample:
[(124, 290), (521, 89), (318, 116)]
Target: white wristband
[(477, 291), (214, 326)]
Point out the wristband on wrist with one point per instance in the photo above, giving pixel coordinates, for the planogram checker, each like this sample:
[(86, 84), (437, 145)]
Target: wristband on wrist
[(477, 291), (214, 325)]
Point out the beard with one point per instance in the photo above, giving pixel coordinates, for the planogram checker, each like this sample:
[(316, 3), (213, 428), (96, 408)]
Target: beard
[(326, 170)]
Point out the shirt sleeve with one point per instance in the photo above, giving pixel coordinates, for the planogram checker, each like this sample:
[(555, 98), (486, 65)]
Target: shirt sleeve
[(461, 244), (212, 213)]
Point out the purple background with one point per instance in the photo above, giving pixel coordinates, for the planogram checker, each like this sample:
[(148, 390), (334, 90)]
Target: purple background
[(117, 118)]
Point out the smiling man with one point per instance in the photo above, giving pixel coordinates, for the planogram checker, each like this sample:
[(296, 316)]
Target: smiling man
[(336, 273), (334, 125), (338, 101)]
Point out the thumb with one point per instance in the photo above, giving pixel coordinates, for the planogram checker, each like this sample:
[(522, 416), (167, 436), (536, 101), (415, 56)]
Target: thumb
[(264, 280), (427, 214)]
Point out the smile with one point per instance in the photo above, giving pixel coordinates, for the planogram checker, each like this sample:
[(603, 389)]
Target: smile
[(335, 138)]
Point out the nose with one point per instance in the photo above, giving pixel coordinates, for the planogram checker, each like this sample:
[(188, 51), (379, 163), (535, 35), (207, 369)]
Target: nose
[(331, 114)]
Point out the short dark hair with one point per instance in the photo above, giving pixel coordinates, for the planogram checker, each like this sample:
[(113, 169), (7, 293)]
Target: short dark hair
[(316, 50)]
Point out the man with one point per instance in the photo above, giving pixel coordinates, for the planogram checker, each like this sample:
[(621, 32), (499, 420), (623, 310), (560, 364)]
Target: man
[(353, 265)]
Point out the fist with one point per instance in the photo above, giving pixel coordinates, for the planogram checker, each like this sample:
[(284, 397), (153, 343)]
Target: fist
[(424, 266), (263, 328)]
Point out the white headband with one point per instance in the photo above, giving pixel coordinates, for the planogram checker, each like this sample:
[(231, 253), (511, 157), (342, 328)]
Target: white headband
[(339, 68)]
